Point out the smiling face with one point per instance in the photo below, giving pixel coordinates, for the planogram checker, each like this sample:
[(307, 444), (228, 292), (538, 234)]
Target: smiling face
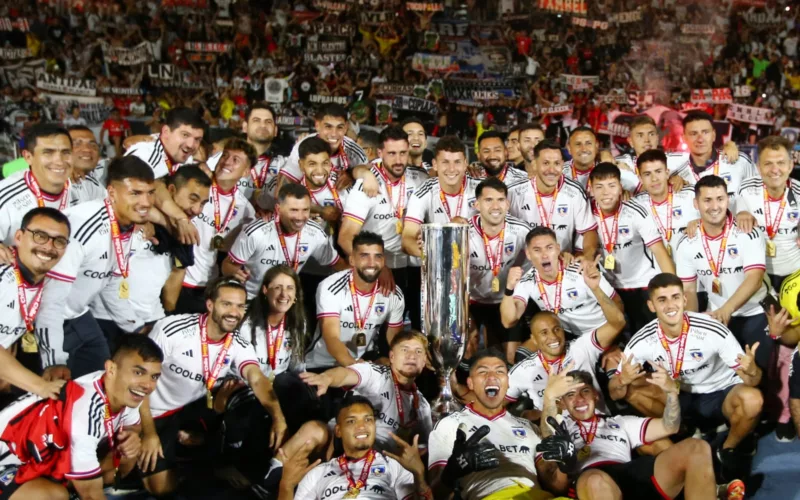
[(394, 156), (294, 212), (488, 379), (528, 139), (712, 203), (700, 136), (408, 358), (51, 160), (549, 168), (655, 176), (775, 165), (355, 425), (607, 193), (643, 137), (417, 139), (332, 130), (131, 379), (492, 155), (191, 197), (543, 252), (228, 309), (581, 403), (281, 293), (583, 148), (182, 142), (451, 168), (546, 330), (316, 169), (232, 166), (132, 200), (668, 303), (493, 206), (368, 261), (85, 150), (37, 257)]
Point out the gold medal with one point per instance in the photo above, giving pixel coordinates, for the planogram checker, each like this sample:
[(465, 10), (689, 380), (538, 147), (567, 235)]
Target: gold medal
[(209, 400), (29, 342), (361, 339), (584, 453), (610, 262), (669, 249), (216, 242), (496, 284), (772, 249), (352, 493), (716, 286), (124, 289), (399, 227)]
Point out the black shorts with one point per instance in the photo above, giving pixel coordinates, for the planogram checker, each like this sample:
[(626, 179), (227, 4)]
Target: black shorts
[(167, 429), (704, 407), (488, 316), (636, 479)]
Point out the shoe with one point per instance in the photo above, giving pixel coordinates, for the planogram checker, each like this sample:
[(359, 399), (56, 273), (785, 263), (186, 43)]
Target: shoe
[(785, 432), (735, 490)]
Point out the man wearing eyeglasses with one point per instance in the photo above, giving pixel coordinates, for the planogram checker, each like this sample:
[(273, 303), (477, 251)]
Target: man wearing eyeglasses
[(38, 246)]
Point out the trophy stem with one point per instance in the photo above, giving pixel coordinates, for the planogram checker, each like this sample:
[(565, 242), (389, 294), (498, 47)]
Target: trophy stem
[(445, 404)]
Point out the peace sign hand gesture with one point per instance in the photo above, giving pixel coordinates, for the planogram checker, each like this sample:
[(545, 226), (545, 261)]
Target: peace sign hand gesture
[(747, 363)]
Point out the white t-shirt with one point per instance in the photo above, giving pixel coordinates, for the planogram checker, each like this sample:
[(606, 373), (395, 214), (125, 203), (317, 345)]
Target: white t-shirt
[(733, 173), (616, 437), (511, 252), (154, 154), (683, 212), (425, 206), (254, 178), (352, 151), (12, 326), (710, 359)]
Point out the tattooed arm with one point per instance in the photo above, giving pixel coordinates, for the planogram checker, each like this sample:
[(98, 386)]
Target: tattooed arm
[(670, 421), (557, 386)]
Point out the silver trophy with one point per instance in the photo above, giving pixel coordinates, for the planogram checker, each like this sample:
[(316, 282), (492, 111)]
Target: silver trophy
[(445, 298)]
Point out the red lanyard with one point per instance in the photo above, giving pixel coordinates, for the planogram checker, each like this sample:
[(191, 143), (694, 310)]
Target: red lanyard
[(588, 436), (610, 239), (675, 367), (294, 262), (398, 210), (362, 478), (502, 175), (715, 167), (28, 315), (716, 266), (559, 363), (356, 308), (344, 163), (116, 240), (220, 227), (665, 231), (443, 199), (330, 186), (495, 259), (274, 346), (260, 178), (545, 219), (210, 375), (33, 185), (543, 291), (773, 225), (399, 400), (108, 421)]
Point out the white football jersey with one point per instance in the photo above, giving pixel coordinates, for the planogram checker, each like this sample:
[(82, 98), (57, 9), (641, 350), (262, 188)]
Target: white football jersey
[(387, 480), (514, 438), (751, 199), (510, 252), (630, 181), (353, 153), (87, 189), (743, 252), (252, 180), (682, 209), (579, 311), (258, 339), (182, 380), (636, 233), (12, 326), (154, 154), (378, 214), (530, 376), (205, 266), (733, 173), (710, 359), (571, 213), (510, 175), (425, 206), (334, 300), (616, 437), (325, 197), (258, 248), (375, 383)]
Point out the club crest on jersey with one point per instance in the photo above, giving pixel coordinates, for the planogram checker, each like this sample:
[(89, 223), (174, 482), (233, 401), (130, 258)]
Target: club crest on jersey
[(727, 177), (612, 425), (520, 432), (303, 248), (573, 294), (624, 230), (378, 470), (328, 203), (379, 308), (227, 360), (8, 476), (273, 170), (793, 216), (677, 212), (696, 355), (562, 210), (733, 251), (472, 203), (509, 249)]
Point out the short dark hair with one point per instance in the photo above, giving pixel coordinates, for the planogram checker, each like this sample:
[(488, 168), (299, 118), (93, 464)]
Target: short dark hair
[(491, 183), (604, 170), (259, 105), (697, 115), (239, 144), (710, 181), (449, 143), (41, 130), (530, 126), (183, 116), (540, 231), (513, 129), (370, 138), (293, 190), (79, 128), (213, 288), (640, 120), (49, 212), (774, 142), (483, 354), (412, 119), (663, 280), (491, 134), (583, 377), (313, 146), (183, 175), (142, 345), (366, 238), (331, 109), (546, 144), (353, 400), (651, 155), (392, 133), (580, 129), (404, 335), (129, 167)]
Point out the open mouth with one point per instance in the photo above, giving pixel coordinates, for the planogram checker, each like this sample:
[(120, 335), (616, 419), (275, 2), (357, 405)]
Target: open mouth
[(138, 396), (362, 435), (547, 265), (581, 408), (492, 390), (319, 179), (44, 256), (554, 345), (671, 314)]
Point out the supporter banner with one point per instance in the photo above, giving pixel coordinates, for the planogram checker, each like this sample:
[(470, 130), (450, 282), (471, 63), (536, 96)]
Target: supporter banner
[(383, 111), (425, 6), (496, 59), (793, 104), (763, 18), (450, 27), (433, 62), (579, 82), (374, 18), (161, 71), (305, 16), (697, 29), (564, 6), (618, 124), (126, 57), (643, 99), (120, 90), (790, 133), (22, 74), (19, 24), (14, 53), (71, 86), (462, 89), (588, 23), (93, 109), (394, 89), (326, 47), (742, 91), (486, 95), (750, 114), (218, 48), (625, 17), (714, 96), (199, 57), (333, 29), (331, 6), (556, 110), (326, 99), (275, 90), (324, 58), (408, 103), (618, 96), (293, 121)]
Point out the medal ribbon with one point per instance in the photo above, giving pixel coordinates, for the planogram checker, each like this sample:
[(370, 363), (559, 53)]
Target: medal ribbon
[(773, 225), (716, 266), (665, 231), (211, 375), (610, 239), (675, 367), (362, 478), (543, 291), (443, 199), (344, 163), (294, 262), (398, 210), (329, 184), (559, 363), (33, 185), (108, 421), (356, 309), (220, 228), (588, 436), (544, 218), (399, 400), (28, 315), (495, 260), (116, 240), (715, 167), (273, 346), (259, 179)]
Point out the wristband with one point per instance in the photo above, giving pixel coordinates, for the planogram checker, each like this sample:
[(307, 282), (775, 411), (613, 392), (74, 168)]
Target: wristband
[(509, 293)]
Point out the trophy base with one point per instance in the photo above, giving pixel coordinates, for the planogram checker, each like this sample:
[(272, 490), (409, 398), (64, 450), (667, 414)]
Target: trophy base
[(442, 407)]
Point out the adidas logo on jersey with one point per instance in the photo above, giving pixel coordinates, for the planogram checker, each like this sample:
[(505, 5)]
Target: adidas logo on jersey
[(349, 308), (11, 305), (104, 256), (699, 256), (474, 254), (439, 211), (329, 474), (526, 207), (188, 353), (538, 378), (759, 211), (383, 202), (271, 248), (385, 395)]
